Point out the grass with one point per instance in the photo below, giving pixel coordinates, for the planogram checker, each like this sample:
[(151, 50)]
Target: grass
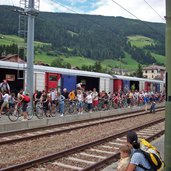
[(126, 63), (78, 61), (129, 63), (12, 39), (44, 58), (159, 58), (140, 41)]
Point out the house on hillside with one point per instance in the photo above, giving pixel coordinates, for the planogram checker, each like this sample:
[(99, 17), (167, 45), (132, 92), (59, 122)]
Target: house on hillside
[(12, 58), (120, 71), (154, 72)]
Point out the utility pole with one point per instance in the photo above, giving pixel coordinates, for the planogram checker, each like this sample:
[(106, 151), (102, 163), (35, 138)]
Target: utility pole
[(31, 12), (167, 157)]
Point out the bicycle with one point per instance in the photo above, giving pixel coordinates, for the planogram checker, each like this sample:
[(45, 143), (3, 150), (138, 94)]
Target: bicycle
[(16, 112)]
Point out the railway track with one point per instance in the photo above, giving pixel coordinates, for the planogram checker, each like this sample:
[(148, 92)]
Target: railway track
[(23, 135), (90, 156)]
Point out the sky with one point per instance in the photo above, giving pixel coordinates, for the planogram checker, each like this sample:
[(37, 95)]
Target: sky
[(146, 10)]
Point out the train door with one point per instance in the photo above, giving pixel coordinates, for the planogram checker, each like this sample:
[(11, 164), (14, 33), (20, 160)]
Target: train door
[(157, 87), (147, 86), (126, 85), (134, 85), (69, 82), (117, 85), (52, 81), (88, 83)]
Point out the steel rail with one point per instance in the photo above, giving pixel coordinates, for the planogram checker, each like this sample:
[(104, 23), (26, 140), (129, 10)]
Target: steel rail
[(70, 151), (30, 137), (72, 122)]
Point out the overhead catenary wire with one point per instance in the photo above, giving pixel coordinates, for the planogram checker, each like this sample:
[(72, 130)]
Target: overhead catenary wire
[(154, 10), (68, 8), (137, 17)]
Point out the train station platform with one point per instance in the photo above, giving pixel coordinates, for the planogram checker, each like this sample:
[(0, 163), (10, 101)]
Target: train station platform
[(6, 125), (159, 143)]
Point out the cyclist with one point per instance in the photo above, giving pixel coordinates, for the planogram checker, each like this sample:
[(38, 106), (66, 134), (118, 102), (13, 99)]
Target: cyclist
[(5, 97), (72, 95), (23, 100)]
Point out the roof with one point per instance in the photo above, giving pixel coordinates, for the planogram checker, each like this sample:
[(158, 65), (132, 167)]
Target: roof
[(39, 68), (12, 58), (135, 79), (154, 67)]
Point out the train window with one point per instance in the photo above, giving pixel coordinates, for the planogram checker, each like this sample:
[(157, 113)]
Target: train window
[(53, 78)]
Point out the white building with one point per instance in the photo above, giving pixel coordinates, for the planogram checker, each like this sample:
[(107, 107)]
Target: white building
[(154, 72)]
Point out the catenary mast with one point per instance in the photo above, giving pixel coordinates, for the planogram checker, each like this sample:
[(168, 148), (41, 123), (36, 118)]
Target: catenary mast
[(31, 10), (168, 88)]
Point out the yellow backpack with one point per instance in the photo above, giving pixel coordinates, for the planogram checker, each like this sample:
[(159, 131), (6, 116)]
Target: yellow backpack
[(153, 152)]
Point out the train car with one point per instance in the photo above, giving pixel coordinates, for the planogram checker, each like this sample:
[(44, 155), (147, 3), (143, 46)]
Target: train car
[(126, 83), (46, 78)]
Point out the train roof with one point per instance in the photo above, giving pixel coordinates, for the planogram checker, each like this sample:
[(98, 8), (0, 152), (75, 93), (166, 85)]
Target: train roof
[(40, 68), (121, 77)]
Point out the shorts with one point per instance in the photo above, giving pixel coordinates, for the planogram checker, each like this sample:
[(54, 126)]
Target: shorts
[(5, 104), (24, 106), (80, 104), (90, 106), (95, 103)]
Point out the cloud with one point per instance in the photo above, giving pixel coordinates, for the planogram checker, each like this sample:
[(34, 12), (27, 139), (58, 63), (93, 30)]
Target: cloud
[(104, 7), (137, 7)]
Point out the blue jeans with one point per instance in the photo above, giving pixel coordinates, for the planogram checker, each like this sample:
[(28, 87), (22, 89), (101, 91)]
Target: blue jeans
[(61, 107), (153, 107)]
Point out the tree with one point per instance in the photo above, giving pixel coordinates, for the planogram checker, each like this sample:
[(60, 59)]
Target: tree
[(97, 66), (139, 72)]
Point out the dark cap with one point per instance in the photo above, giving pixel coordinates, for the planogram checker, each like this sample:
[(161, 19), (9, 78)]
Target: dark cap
[(132, 137)]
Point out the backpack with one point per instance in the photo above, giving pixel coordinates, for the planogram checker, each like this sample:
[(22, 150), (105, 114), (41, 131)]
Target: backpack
[(26, 99), (152, 155)]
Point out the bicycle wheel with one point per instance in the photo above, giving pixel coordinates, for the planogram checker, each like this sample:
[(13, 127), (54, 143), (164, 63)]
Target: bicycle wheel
[(39, 112), (53, 110), (13, 115), (30, 112)]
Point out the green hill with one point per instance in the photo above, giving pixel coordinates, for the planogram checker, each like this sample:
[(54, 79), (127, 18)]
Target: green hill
[(115, 41)]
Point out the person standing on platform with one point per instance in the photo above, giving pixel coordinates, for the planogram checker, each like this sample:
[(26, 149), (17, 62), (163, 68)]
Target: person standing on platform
[(4, 86), (89, 100), (95, 98), (80, 99), (65, 93), (61, 101)]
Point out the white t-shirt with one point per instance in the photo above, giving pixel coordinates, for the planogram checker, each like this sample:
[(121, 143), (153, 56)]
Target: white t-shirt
[(5, 97), (79, 85), (89, 99), (95, 95), (80, 97), (53, 95)]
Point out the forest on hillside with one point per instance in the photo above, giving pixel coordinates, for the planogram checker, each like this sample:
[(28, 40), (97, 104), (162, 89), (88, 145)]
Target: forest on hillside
[(90, 36)]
